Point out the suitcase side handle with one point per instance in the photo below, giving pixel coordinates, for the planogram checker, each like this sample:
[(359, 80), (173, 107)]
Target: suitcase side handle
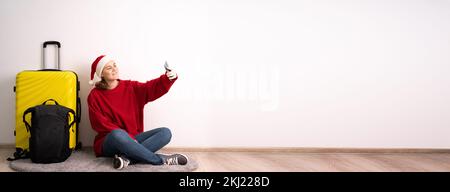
[(78, 110), (58, 44)]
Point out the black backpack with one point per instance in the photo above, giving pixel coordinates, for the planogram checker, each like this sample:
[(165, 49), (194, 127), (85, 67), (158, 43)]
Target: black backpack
[(49, 129)]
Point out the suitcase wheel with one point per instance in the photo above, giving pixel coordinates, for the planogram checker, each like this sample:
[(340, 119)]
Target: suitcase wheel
[(79, 146)]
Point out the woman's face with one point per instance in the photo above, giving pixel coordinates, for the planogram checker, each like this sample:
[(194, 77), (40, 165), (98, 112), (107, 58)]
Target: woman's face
[(110, 71)]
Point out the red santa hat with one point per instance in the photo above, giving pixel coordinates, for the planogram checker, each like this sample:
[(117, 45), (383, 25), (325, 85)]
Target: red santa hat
[(97, 68)]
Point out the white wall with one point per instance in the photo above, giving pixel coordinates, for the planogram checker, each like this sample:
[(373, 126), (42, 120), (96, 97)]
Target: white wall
[(363, 73)]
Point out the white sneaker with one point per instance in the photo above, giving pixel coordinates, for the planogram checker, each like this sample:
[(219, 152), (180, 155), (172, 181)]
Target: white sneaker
[(174, 159), (120, 162)]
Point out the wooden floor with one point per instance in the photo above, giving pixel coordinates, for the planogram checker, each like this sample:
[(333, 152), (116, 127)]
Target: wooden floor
[(306, 162)]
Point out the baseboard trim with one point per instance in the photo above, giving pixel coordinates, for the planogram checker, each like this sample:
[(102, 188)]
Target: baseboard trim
[(7, 146), (291, 149), (308, 150)]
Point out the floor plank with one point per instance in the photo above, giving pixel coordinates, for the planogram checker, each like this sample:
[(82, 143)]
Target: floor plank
[(239, 161)]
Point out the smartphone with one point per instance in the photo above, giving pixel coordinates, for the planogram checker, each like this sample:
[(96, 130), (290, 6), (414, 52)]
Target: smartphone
[(167, 67)]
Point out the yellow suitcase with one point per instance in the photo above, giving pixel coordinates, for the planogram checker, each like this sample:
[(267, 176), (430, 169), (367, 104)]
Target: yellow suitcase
[(34, 87)]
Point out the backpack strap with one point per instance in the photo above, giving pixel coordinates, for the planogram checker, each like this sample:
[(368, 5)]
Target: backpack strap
[(20, 154), (74, 117), (27, 125)]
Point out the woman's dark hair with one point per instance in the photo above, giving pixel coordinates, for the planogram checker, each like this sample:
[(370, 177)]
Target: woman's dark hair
[(102, 84)]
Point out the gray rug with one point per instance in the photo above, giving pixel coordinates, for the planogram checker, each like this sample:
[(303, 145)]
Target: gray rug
[(85, 161)]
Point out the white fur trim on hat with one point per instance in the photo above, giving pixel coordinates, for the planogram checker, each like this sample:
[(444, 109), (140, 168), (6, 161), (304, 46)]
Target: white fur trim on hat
[(101, 64), (98, 71)]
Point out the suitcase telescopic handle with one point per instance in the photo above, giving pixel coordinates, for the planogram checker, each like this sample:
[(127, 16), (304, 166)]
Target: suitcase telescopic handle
[(58, 44), (52, 43)]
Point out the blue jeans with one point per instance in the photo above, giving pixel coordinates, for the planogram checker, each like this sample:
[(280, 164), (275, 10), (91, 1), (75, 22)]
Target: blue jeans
[(143, 151)]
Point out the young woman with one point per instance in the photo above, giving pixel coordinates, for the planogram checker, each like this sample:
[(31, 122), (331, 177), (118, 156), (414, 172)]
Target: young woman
[(116, 111)]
